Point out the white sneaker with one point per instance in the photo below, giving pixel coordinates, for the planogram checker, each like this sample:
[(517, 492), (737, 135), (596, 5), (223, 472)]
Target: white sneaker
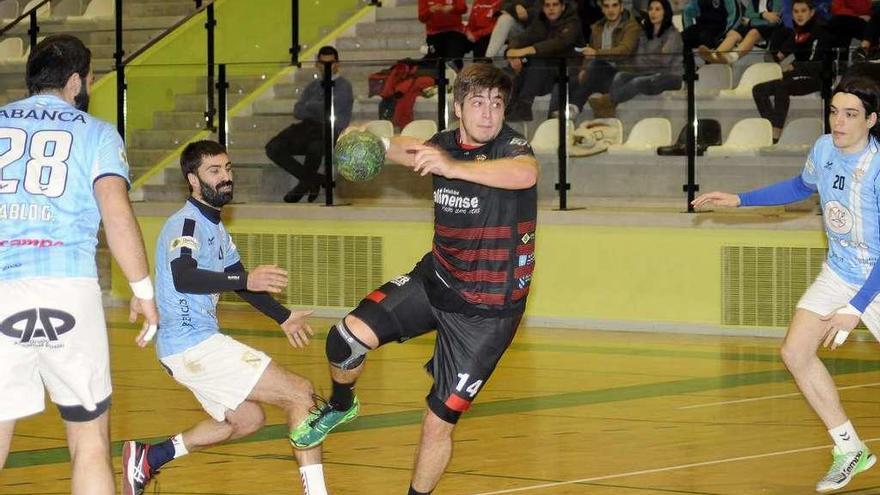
[(844, 467)]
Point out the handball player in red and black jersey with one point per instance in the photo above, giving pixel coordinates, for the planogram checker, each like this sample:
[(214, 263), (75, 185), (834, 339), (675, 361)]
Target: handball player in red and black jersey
[(472, 285)]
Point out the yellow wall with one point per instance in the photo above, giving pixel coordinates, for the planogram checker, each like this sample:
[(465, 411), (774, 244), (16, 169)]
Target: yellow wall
[(583, 272)]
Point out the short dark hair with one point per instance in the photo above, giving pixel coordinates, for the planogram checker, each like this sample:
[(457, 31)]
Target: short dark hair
[(867, 91), (478, 77), (327, 50), (52, 62), (192, 155), (809, 3)]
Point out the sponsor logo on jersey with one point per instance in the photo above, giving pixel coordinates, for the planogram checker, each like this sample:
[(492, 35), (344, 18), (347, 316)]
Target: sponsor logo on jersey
[(453, 199), (35, 243), (45, 324), (399, 280), (838, 218), (184, 242), (18, 113)]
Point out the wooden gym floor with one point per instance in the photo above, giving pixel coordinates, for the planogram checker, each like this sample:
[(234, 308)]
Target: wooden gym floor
[(568, 412)]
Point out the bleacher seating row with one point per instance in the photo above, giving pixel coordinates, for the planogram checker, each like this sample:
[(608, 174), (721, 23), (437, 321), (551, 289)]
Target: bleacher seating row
[(748, 137)]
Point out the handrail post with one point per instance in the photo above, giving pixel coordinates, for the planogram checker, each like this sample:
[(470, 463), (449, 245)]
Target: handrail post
[(690, 77), (295, 47), (563, 186), (33, 29), (329, 121), (827, 78), (210, 109), (222, 87), (120, 71), (442, 82)]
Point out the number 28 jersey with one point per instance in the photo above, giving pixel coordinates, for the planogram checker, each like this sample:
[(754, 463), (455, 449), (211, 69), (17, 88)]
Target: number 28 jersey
[(51, 154)]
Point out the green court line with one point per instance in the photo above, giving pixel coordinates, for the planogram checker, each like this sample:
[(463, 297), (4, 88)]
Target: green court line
[(512, 406)]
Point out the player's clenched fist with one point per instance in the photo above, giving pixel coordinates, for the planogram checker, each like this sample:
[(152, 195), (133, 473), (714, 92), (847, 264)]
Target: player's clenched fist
[(267, 278)]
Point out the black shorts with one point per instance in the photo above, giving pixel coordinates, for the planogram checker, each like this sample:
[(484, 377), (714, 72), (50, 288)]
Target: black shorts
[(467, 348), (766, 32)]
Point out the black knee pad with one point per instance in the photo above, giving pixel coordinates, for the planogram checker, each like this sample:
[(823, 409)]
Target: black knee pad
[(343, 349)]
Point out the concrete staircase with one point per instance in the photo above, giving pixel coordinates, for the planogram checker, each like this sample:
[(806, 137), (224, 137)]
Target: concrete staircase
[(142, 19)]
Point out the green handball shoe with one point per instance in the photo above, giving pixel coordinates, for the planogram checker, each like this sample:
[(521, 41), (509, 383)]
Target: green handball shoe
[(320, 421), (844, 467)]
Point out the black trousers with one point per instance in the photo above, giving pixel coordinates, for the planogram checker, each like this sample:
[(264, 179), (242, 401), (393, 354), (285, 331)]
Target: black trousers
[(793, 83), (449, 45), (302, 138)]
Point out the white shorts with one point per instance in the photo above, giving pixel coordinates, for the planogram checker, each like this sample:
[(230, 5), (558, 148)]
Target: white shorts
[(52, 334), (829, 292), (220, 372)]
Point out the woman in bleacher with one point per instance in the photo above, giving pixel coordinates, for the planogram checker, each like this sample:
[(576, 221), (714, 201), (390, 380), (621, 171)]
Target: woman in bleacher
[(800, 52), (761, 20), (657, 62)]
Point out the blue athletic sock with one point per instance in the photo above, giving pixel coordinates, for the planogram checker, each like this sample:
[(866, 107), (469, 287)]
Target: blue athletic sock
[(160, 454)]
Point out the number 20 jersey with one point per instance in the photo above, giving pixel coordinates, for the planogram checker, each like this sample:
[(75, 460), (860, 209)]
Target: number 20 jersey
[(51, 154)]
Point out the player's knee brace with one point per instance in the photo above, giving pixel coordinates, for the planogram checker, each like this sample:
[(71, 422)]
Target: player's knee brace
[(343, 349)]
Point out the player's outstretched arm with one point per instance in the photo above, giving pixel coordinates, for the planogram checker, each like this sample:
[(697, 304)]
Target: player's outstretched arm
[(127, 246), (716, 198), (402, 149)]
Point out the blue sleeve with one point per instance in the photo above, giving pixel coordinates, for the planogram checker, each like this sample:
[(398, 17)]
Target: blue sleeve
[(781, 193), (734, 13), (690, 13)]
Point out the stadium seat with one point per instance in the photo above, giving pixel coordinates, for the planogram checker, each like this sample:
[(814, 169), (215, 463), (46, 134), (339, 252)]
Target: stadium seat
[(8, 11), (381, 128), (11, 50), (546, 138), (746, 138), (422, 129), (644, 137), (42, 12), (797, 137), (96, 10), (678, 22), (755, 74), (713, 78)]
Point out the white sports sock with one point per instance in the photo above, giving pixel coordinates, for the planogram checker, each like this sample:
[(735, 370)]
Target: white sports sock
[(313, 479), (845, 437), (179, 446)]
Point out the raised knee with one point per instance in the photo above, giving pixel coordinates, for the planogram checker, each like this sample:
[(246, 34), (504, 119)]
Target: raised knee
[(791, 356), (344, 350)]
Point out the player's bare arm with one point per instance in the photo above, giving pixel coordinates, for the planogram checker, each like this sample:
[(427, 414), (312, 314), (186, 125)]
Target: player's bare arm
[(716, 198), (126, 245), (519, 172), (296, 328)]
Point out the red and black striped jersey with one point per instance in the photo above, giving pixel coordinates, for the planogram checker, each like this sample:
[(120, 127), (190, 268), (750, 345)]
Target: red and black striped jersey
[(483, 251)]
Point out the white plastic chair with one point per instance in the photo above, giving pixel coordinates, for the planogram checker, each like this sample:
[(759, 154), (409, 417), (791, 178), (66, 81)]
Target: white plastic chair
[(746, 138), (42, 12), (11, 50), (755, 74), (422, 129), (713, 78), (797, 137), (8, 11), (546, 137), (678, 22), (96, 10), (381, 128), (645, 136)]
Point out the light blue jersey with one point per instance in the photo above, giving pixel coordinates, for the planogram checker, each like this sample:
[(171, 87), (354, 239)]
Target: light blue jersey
[(188, 319), (848, 190), (51, 154)]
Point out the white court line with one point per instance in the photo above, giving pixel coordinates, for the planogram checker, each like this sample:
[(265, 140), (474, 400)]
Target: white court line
[(766, 397), (661, 470)]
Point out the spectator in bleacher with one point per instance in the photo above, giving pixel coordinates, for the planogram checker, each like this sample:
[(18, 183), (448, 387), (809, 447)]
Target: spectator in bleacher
[(871, 37), (481, 21), (589, 12), (822, 7), (762, 18), (513, 19), (800, 52), (707, 22), (306, 137), (849, 21), (534, 56), (613, 41), (444, 29), (657, 66)]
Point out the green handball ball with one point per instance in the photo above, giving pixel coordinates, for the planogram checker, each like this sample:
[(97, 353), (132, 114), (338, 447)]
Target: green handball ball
[(359, 156)]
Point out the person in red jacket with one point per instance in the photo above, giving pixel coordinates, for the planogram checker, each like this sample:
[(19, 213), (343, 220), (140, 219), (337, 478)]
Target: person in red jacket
[(444, 29), (480, 23), (849, 20)]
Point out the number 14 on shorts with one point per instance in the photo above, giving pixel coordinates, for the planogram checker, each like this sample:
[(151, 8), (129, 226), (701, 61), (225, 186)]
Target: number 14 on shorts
[(471, 389)]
